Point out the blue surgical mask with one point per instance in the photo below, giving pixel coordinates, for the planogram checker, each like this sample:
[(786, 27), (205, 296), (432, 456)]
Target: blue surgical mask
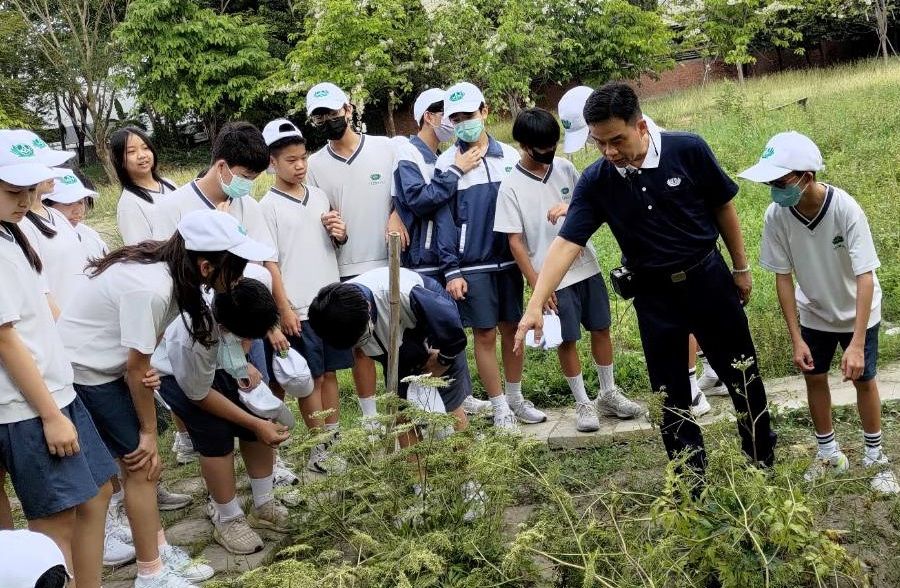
[(238, 187), (468, 131), (231, 357), (787, 196)]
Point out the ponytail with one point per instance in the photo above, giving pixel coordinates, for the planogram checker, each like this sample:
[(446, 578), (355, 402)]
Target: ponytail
[(42, 226), (22, 241)]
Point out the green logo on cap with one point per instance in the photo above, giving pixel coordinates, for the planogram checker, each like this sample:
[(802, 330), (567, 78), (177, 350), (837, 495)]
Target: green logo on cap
[(39, 143), (457, 96), (242, 230), (566, 124), (68, 180), (22, 150), (565, 190), (769, 152), (375, 177), (320, 93)]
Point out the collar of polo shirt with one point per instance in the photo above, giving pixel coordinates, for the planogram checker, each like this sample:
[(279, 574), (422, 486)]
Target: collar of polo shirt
[(654, 151)]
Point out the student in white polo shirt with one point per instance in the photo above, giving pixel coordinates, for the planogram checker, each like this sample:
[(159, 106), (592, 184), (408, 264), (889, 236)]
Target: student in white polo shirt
[(306, 233), (532, 200), (73, 200), (819, 233), (354, 170)]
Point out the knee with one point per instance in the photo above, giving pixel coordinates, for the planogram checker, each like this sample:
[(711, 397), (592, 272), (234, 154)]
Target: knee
[(601, 336), (485, 337)]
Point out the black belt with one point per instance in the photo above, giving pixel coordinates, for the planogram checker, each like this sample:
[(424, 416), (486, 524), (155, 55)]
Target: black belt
[(677, 276)]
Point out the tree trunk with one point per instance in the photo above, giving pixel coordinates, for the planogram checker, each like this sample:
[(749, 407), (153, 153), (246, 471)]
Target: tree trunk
[(740, 73), (103, 155), (390, 126), (881, 27), (59, 122), (778, 51)]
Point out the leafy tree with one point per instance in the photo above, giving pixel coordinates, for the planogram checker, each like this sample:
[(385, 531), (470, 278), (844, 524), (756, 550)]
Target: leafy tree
[(188, 60), (13, 72), (837, 18)]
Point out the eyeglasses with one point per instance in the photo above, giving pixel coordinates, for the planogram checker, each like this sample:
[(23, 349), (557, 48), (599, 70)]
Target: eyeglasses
[(320, 119)]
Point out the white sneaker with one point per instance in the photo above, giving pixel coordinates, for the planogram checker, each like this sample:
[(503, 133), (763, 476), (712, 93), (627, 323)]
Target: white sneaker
[(115, 551), (271, 515), (175, 559), (322, 461), (836, 463), (183, 448), (505, 420), (236, 536), (474, 406), (165, 579), (586, 420), (475, 498), (374, 428), (527, 413), (171, 500), (884, 481), (712, 385), (700, 405), (284, 476), (615, 403), (117, 521)]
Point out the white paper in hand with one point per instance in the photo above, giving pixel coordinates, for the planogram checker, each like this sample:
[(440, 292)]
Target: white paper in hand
[(552, 334)]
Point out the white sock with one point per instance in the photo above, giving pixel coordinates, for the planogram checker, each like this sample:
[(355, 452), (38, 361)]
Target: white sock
[(606, 376), (228, 511), (367, 405), (827, 445), (262, 490), (695, 385), (499, 402), (873, 445), (117, 497), (513, 392), (709, 372), (576, 385)]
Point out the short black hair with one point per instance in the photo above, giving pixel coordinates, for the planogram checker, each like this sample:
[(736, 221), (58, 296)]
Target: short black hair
[(241, 143), (612, 100), (536, 127), (55, 577), (339, 314), (248, 310), (278, 146)]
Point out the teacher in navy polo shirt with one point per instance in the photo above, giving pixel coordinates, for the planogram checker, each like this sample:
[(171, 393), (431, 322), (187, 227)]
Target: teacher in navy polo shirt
[(667, 201)]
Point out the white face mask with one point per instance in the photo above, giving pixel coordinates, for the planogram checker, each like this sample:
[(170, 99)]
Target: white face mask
[(444, 132)]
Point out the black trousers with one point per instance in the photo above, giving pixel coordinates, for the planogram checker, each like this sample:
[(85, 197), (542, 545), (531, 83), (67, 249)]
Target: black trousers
[(705, 303)]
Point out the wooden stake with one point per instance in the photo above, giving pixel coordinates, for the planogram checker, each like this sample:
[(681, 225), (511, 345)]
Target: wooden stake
[(394, 343)]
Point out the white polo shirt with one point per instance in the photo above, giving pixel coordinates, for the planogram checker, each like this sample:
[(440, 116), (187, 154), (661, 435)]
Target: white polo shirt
[(94, 245), (63, 256), (23, 303), (128, 306), (189, 198), (192, 364), (358, 187), (134, 215), (522, 205), (825, 254), (306, 254)]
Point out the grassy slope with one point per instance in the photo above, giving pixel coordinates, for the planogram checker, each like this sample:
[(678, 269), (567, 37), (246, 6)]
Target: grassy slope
[(850, 114)]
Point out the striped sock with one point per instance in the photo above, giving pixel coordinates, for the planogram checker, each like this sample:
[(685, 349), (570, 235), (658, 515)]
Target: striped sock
[(873, 444), (827, 444)]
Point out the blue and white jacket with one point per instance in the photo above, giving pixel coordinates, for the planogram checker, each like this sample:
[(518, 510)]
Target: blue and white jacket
[(477, 247), (421, 200)]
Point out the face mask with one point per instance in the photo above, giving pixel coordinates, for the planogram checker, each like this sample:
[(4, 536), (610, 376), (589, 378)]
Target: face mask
[(367, 334), (468, 131), (545, 158), (443, 132), (232, 358), (335, 128), (787, 196), (237, 188)]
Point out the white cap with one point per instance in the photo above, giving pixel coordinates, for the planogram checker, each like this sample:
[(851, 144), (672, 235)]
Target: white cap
[(67, 188), (264, 404), (25, 556), (426, 99), (279, 129), (785, 153), (325, 95), (571, 114), (19, 164), (43, 152), (212, 230), (462, 97), (292, 372)]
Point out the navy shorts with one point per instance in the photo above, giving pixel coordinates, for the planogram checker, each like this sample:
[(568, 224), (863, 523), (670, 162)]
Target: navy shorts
[(583, 304), (492, 298), (320, 356), (823, 344), (452, 395), (212, 436), (46, 484)]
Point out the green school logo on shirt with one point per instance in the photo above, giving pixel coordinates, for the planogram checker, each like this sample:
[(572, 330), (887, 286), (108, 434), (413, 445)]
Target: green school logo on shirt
[(565, 190), (39, 143), (321, 94), (68, 180), (838, 242), (457, 96), (508, 168), (769, 152), (375, 177), (242, 230), (566, 124), (22, 150)]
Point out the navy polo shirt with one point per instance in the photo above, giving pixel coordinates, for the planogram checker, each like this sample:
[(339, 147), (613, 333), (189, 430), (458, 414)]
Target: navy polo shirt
[(662, 217)]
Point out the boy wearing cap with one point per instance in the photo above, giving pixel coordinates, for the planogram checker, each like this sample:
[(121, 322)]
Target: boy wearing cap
[(480, 271), (203, 386), (421, 196), (306, 233), (532, 200), (819, 233), (354, 170)]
